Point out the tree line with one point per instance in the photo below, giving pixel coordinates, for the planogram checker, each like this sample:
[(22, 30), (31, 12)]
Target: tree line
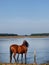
[(8, 34), (40, 34)]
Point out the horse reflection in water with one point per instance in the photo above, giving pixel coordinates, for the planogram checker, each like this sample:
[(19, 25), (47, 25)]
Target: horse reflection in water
[(20, 49)]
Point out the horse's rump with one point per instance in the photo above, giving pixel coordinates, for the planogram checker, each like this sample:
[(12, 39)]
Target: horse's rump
[(14, 48)]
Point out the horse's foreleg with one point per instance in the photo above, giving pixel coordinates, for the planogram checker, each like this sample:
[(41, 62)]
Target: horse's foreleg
[(14, 56), (25, 58), (21, 58), (17, 57)]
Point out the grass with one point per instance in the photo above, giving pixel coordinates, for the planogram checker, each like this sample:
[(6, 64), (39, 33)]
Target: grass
[(0, 64), (20, 64)]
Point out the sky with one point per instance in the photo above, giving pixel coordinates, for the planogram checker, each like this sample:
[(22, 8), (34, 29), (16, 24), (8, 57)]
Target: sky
[(24, 16)]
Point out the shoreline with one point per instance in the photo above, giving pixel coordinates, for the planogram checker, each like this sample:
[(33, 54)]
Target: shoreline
[(23, 36), (21, 64)]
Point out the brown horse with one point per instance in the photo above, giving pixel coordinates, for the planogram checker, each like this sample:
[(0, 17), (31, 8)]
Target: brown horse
[(20, 49)]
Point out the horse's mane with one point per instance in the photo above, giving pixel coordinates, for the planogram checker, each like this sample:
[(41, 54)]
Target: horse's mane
[(25, 43)]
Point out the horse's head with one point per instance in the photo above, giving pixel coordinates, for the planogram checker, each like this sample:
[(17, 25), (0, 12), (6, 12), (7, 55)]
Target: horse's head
[(25, 43)]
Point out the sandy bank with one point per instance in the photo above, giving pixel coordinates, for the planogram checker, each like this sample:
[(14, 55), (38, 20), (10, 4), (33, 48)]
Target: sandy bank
[(20, 64), (23, 36)]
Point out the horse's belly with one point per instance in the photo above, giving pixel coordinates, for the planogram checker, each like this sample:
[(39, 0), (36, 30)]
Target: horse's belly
[(20, 52)]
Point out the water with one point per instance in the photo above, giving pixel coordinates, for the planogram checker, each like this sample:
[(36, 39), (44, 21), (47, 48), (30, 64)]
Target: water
[(40, 44)]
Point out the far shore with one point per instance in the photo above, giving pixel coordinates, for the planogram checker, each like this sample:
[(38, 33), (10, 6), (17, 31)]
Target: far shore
[(23, 36)]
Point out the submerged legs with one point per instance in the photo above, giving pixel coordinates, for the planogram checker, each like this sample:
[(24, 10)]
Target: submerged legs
[(18, 58)]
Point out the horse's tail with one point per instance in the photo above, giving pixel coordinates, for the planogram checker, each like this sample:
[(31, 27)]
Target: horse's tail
[(10, 54)]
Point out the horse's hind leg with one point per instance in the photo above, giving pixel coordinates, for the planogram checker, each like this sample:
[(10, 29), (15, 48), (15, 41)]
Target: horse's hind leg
[(10, 58), (10, 55), (14, 56)]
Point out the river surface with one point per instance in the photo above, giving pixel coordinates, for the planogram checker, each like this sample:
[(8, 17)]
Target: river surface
[(40, 44)]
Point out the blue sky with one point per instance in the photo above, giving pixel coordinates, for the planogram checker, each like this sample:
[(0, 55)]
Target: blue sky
[(24, 16)]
